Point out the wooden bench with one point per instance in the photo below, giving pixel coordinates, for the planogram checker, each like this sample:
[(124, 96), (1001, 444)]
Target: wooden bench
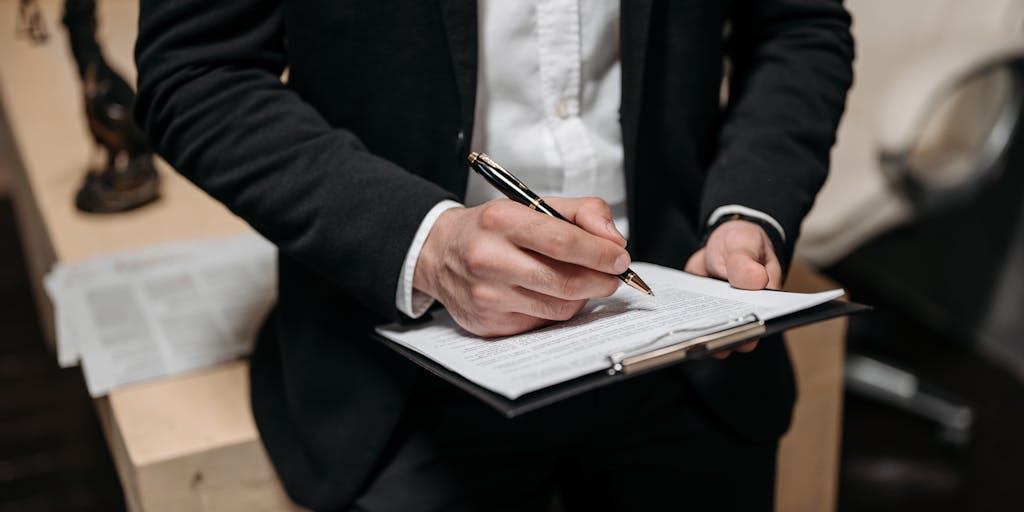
[(189, 442)]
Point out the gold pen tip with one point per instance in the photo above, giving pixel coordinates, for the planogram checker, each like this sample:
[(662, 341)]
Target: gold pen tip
[(472, 157), (634, 280)]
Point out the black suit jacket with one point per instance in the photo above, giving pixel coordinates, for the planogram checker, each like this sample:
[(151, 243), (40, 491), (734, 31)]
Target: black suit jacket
[(339, 166)]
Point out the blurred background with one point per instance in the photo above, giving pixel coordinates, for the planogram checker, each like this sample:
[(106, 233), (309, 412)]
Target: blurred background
[(922, 217)]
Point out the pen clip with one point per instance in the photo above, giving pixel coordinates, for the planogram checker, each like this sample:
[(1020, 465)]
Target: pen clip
[(499, 176)]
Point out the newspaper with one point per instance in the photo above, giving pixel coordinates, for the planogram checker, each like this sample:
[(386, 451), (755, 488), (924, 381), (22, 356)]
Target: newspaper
[(162, 310)]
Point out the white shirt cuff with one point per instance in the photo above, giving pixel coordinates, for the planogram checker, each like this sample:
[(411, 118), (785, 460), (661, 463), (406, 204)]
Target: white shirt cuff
[(730, 209), (413, 303)]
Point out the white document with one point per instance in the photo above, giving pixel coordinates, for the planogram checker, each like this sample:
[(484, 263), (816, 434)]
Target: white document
[(626, 321), (162, 310)]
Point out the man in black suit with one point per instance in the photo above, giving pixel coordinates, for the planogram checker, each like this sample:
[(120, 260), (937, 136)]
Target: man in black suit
[(342, 166)]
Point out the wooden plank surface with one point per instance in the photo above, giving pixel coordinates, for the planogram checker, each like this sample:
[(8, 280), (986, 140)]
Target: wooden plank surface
[(808, 465), (170, 418), (192, 443)]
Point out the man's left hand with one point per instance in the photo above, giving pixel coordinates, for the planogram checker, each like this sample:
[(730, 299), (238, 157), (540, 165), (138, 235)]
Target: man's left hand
[(741, 253)]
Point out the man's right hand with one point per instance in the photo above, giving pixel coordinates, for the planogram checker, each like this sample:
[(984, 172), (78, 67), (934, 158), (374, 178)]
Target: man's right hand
[(501, 268)]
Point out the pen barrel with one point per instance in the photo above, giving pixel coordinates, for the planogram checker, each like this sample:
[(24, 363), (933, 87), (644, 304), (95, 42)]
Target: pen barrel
[(509, 185), (543, 207), (517, 191)]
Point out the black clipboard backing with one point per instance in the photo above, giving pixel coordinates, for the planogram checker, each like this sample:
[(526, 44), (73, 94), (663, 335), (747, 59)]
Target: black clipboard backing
[(561, 391)]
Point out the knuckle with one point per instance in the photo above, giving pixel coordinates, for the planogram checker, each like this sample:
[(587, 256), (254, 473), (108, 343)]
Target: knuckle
[(492, 216), (544, 275), (481, 295), (596, 204), (569, 287), (477, 259), (559, 242), (607, 258), (566, 310), (609, 286), (557, 309)]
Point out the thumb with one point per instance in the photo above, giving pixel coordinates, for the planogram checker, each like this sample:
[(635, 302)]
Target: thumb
[(591, 214), (745, 271)]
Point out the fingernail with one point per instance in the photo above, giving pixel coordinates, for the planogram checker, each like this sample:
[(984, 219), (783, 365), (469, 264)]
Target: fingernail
[(622, 263), (610, 226)]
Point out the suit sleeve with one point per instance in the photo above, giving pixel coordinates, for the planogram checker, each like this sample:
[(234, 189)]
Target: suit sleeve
[(791, 68), (212, 103)]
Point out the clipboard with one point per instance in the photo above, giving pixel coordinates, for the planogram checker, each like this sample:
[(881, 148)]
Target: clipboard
[(623, 366)]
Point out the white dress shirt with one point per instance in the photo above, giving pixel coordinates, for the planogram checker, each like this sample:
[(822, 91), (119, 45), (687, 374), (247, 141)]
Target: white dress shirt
[(547, 109)]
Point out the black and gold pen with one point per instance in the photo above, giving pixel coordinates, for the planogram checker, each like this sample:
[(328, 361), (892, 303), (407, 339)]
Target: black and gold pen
[(517, 191)]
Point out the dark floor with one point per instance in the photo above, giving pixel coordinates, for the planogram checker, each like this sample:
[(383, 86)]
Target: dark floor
[(941, 270), (53, 456), (52, 453), (894, 461)]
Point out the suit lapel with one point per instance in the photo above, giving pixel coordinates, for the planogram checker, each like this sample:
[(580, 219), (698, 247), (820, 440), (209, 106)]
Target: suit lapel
[(634, 26), (460, 25)]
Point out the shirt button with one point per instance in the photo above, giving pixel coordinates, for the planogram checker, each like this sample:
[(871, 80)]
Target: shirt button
[(561, 109)]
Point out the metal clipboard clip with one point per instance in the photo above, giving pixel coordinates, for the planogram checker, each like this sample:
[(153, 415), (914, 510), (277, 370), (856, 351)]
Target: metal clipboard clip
[(733, 330)]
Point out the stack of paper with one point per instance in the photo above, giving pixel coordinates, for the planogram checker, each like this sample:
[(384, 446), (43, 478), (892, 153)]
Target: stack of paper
[(162, 310), (684, 306)]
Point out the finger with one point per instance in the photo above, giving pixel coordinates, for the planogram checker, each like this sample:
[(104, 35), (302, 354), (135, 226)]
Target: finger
[(747, 347), (739, 252), (744, 348), (561, 280), (510, 266), (591, 214), (744, 271), (504, 300), (565, 242), (537, 305), (714, 262), (695, 265), (505, 324), (774, 269)]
